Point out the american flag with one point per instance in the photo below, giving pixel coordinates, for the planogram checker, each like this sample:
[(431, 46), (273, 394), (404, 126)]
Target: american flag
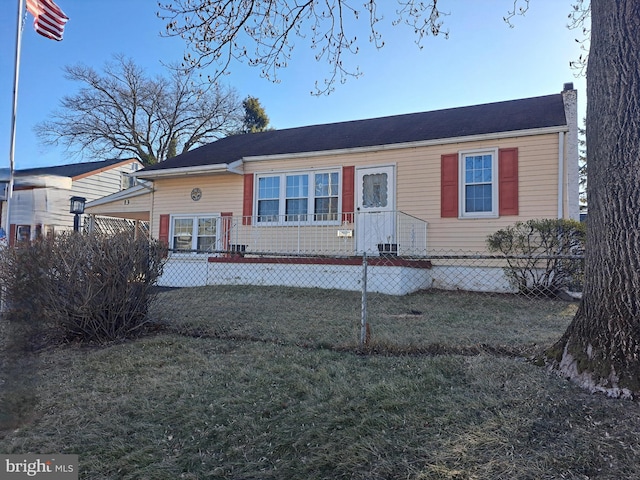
[(49, 19)]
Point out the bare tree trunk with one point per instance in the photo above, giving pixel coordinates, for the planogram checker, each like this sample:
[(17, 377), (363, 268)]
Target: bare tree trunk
[(601, 348)]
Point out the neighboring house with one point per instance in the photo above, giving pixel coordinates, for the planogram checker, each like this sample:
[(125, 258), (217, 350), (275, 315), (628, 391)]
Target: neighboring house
[(410, 185), (41, 196)]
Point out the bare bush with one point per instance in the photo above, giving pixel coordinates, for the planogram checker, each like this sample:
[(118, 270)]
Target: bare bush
[(541, 255), (86, 288)]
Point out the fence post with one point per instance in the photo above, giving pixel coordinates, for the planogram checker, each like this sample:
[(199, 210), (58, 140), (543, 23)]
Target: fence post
[(363, 315)]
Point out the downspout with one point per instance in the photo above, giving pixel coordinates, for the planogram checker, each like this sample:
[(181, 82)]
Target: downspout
[(151, 220), (560, 174)]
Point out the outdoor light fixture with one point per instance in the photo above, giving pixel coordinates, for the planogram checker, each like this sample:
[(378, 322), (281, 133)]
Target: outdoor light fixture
[(77, 208)]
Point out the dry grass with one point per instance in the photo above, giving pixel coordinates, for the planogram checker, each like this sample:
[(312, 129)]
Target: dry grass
[(264, 386), (436, 321)]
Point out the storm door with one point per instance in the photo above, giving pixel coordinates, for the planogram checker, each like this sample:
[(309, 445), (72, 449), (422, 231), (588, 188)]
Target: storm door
[(375, 210)]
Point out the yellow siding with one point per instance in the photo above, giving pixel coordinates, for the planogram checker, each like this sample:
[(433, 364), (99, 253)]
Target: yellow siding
[(220, 193), (419, 191), (417, 187), (135, 207)]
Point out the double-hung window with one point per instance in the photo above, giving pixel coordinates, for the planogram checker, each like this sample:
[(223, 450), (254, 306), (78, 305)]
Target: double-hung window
[(478, 178), (326, 196), (298, 197), (268, 199), (197, 233)]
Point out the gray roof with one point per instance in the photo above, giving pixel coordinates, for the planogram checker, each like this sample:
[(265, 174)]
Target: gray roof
[(69, 170), (513, 115)]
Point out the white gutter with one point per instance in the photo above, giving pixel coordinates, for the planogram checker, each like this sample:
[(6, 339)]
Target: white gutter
[(132, 192), (560, 174), (173, 172), (39, 181), (151, 219), (421, 143), (236, 166)]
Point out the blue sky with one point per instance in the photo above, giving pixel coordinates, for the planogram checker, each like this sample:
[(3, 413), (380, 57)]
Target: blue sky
[(482, 61)]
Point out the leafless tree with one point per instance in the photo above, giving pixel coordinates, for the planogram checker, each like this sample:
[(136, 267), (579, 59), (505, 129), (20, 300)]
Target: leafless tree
[(263, 32), (125, 111), (601, 348)]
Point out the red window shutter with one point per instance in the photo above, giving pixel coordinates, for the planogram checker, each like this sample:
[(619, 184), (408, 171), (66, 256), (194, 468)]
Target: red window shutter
[(508, 181), (348, 195), (12, 234), (449, 185), (163, 232), (247, 199), (226, 229)]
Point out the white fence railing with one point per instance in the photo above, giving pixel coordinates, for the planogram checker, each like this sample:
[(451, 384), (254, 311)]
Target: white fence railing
[(387, 233)]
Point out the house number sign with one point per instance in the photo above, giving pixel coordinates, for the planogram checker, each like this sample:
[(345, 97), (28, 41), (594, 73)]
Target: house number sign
[(196, 194)]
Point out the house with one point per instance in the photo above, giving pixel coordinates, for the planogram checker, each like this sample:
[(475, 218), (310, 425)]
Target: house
[(408, 186), (41, 196)]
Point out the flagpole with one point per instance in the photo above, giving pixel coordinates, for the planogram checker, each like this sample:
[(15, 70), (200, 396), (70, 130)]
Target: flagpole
[(12, 148)]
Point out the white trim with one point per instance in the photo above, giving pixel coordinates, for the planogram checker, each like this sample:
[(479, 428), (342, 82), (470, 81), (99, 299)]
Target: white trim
[(462, 214), (39, 181), (200, 169), (560, 174), (282, 196), (135, 191), (421, 143), (376, 225), (394, 184), (236, 166), (194, 234)]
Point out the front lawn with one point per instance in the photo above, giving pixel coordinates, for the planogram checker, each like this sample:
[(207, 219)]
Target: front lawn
[(269, 383)]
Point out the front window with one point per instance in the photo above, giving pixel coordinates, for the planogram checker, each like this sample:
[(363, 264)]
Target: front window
[(194, 233), (374, 190), (126, 180), (479, 186), (23, 233), (206, 239), (298, 197), (268, 199), (326, 196)]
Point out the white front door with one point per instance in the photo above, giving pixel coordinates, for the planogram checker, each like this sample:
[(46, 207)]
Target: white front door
[(375, 209)]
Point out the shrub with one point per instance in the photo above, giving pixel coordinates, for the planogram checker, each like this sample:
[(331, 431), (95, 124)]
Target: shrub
[(543, 256), (88, 288)]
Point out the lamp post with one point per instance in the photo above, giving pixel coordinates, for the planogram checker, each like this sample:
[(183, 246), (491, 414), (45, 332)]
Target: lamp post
[(77, 208)]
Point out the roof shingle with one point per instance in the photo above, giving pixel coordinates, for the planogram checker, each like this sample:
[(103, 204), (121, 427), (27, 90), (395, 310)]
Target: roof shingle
[(513, 115), (69, 170)]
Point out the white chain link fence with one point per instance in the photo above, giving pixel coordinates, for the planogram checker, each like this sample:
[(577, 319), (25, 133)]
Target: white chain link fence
[(383, 277), (405, 282)]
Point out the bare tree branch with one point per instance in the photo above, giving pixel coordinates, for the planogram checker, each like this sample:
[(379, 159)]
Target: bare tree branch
[(123, 110), (262, 33), (520, 7), (579, 19)]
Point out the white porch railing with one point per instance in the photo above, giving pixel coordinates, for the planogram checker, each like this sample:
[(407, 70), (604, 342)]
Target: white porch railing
[(388, 233)]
